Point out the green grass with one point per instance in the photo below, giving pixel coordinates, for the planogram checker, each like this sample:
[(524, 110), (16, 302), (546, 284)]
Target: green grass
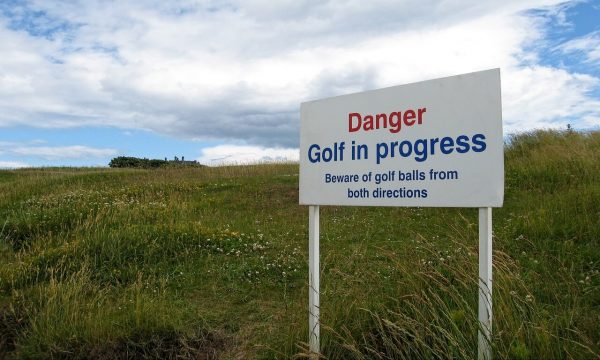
[(211, 263)]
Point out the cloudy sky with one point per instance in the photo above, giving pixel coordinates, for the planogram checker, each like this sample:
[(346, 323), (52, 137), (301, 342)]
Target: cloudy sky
[(84, 81)]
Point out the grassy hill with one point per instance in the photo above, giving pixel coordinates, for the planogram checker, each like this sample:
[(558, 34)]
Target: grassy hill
[(212, 263)]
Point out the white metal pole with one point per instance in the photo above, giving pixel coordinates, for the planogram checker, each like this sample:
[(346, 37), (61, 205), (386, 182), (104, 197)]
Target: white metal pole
[(485, 284), (313, 279)]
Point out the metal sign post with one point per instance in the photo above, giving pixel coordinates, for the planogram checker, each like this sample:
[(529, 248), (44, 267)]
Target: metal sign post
[(485, 284), (484, 349), (313, 280)]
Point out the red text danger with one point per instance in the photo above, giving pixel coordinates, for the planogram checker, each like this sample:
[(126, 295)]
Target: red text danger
[(392, 121)]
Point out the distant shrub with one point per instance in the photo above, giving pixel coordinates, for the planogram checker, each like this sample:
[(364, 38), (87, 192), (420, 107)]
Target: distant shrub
[(133, 162)]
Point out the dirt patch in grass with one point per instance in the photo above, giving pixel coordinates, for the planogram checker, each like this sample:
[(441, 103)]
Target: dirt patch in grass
[(11, 323), (161, 344)]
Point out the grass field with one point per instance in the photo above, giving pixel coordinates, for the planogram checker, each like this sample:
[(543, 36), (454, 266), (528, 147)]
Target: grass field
[(212, 263)]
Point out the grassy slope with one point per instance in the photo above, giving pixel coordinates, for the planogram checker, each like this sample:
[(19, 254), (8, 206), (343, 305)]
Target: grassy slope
[(211, 262)]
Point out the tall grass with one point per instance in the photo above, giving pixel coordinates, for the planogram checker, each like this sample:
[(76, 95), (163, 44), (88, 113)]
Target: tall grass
[(211, 263)]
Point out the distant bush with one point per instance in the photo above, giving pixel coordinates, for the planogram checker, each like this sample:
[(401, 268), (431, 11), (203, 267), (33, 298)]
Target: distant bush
[(133, 162), (145, 163)]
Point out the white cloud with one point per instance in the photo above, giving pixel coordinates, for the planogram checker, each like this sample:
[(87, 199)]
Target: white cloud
[(12, 164), (236, 154), (55, 152), (588, 45), (237, 71), (545, 97)]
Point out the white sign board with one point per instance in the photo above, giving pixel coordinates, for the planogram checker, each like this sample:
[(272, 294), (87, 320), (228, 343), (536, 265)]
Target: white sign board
[(435, 143)]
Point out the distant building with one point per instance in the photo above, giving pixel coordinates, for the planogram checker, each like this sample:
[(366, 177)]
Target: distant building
[(183, 161)]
